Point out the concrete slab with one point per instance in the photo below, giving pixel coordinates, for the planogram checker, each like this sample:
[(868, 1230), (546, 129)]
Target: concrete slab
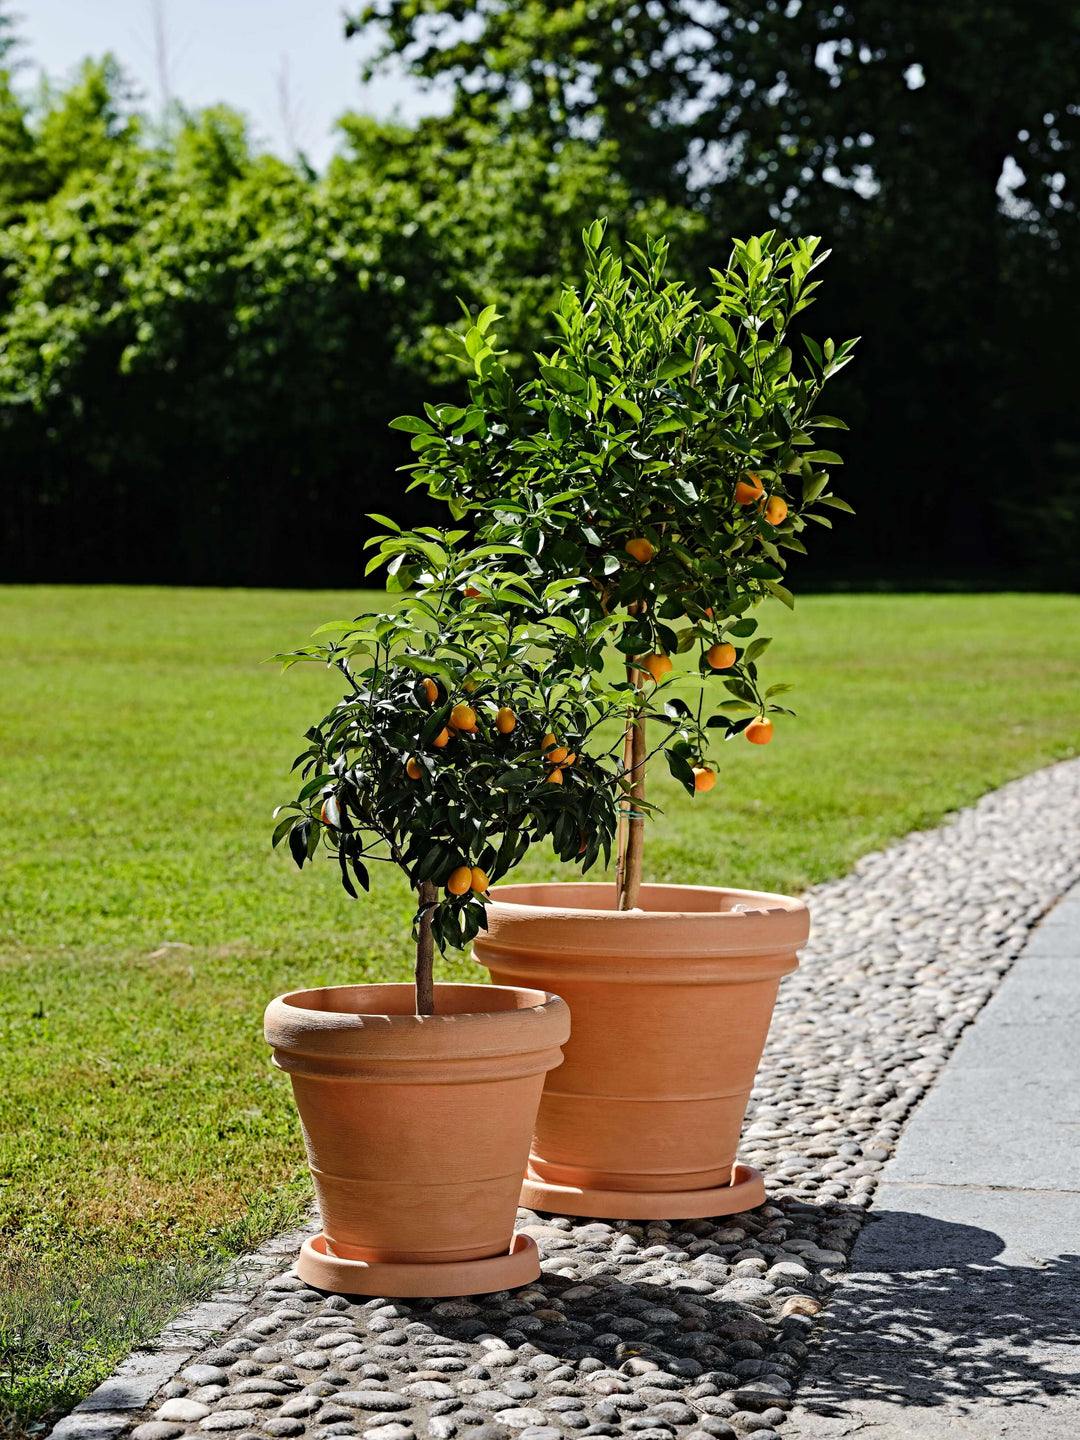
[(996, 1123), (960, 1318), (962, 1225), (136, 1381), (1030, 999), (199, 1325), (1065, 912)]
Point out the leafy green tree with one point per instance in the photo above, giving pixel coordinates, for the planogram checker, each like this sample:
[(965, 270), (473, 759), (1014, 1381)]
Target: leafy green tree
[(653, 472), (438, 758)]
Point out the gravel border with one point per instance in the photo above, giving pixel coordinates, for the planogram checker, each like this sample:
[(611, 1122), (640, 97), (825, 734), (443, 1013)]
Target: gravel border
[(650, 1330)]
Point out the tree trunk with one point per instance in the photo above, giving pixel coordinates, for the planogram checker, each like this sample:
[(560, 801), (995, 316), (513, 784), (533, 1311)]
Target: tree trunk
[(425, 952), (628, 867)]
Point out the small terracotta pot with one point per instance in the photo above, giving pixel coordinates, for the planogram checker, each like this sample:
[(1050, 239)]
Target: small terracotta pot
[(671, 1004), (417, 1127)]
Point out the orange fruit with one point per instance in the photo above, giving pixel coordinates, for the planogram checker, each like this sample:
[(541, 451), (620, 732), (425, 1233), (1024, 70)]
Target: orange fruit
[(748, 488), (505, 720), (721, 656), (759, 731), (412, 769), (460, 880), (657, 665), (554, 776), (480, 881), (776, 510), (462, 717), (571, 758), (330, 814), (430, 689), (704, 778), (553, 751), (441, 739), (640, 549), (471, 592)]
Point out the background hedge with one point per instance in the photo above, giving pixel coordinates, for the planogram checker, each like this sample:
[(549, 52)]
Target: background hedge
[(200, 345)]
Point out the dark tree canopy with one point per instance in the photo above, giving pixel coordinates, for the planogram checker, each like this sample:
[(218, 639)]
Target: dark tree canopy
[(934, 146)]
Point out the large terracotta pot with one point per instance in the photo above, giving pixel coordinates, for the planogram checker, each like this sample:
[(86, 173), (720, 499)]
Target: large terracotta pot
[(671, 1004), (417, 1130)]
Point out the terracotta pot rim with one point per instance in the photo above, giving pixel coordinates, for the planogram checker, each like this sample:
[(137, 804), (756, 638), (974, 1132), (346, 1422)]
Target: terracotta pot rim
[(504, 897), (702, 944), (320, 1015), (502, 1020)]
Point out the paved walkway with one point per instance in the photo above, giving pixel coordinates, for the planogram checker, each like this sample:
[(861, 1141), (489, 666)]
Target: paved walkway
[(960, 1316)]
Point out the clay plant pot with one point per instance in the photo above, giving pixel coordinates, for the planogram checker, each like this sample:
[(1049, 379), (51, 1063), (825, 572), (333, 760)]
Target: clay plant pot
[(417, 1130), (671, 1004)]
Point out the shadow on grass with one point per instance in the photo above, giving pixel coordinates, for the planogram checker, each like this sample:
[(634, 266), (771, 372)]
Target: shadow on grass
[(70, 1311)]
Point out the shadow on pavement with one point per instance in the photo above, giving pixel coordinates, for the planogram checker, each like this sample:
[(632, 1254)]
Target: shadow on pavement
[(932, 1317)]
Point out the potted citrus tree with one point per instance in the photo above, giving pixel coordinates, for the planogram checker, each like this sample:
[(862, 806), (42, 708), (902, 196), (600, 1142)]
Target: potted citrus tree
[(417, 1101), (658, 467)]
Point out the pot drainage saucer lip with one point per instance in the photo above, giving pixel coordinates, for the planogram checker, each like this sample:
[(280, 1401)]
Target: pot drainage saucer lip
[(519, 1266), (746, 1190)]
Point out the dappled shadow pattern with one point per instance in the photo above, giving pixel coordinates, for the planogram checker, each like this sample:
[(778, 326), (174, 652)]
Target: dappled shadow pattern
[(934, 1318)]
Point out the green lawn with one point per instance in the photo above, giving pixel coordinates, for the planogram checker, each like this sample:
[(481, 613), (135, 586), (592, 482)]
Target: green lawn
[(144, 921)]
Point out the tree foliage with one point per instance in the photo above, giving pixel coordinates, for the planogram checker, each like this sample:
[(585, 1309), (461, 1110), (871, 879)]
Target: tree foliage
[(467, 735), (652, 472)]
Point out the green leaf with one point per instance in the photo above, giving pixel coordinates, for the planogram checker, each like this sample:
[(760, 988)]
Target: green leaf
[(681, 771), (669, 369), (412, 425), (298, 842), (782, 593), (558, 425), (813, 485), (628, 406), (338, 625), (823, 457), (828, 422), (836, 503), (740, 690), (755, 648), (487, 318), (568, 381), (346, 883), (314, 785)]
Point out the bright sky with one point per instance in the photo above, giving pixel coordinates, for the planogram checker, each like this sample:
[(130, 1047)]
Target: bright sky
[(244, 52)]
